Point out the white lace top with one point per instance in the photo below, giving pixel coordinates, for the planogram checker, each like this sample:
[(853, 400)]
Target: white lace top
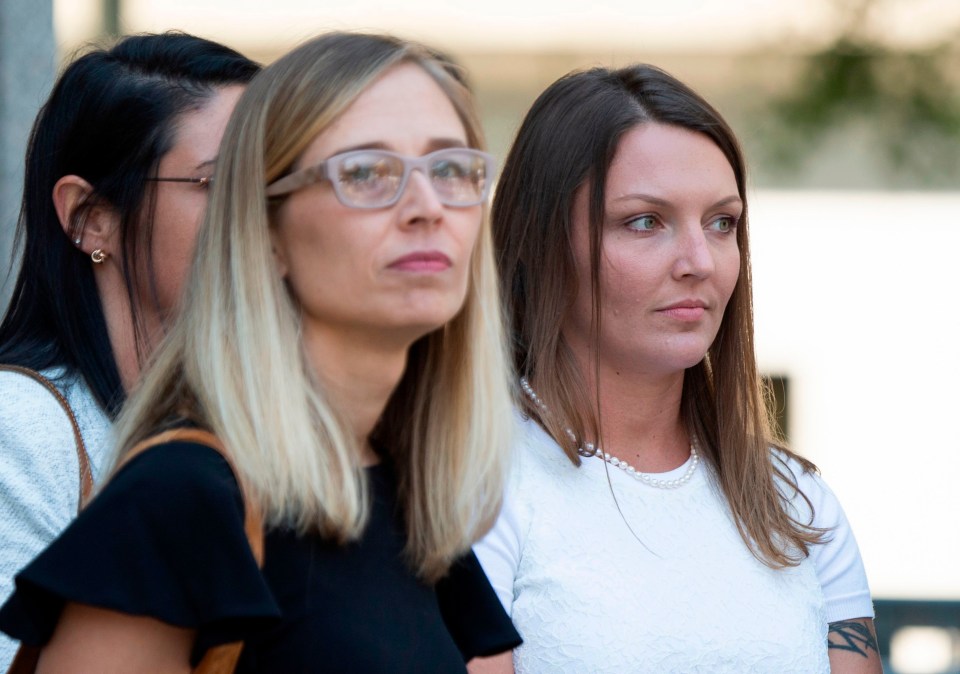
[(39, 469), (586, 596)]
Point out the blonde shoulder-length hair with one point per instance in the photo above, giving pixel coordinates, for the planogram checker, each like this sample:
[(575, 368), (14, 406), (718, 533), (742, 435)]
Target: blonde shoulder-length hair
[(234, 362)]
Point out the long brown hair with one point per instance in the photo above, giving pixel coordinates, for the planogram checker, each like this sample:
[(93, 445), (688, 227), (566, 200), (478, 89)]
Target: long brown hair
[(569, 139)]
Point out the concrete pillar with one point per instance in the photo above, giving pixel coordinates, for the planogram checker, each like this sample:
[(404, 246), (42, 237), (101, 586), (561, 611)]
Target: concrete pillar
[(27, 69)]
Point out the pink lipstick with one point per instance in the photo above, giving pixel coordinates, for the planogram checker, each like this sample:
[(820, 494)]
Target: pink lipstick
[(425, 261)]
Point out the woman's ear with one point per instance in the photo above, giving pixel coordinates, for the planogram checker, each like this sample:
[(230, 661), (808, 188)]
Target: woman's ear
[(91, 225)]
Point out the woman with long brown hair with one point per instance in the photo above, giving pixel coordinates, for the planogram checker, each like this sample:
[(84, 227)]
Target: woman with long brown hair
[(654, 523)]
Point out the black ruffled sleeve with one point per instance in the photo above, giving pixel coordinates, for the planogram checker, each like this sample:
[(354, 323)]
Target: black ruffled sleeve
[(164, 539), (473, 612)]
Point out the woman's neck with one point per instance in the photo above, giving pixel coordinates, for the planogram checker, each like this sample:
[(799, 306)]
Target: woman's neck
[(118, 316), (640, 418), (360, 373)]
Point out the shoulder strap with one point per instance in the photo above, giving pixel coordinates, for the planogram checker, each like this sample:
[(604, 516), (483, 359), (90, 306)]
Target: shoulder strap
[(219, 659), (86, 477)]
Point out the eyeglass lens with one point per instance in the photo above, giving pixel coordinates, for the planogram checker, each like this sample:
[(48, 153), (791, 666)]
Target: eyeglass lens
[(372, 178)]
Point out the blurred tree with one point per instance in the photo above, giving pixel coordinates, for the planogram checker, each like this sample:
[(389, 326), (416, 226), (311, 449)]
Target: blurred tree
[(111, 17), (905, 101)]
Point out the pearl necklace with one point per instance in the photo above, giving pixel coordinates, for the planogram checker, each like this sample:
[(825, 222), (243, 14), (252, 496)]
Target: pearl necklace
[(590, 449)]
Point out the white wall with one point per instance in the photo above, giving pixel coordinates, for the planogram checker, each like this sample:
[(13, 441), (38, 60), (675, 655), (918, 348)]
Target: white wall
[(857, 300)]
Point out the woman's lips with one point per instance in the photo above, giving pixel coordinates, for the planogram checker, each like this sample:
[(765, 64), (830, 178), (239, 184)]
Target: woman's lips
[(687, 310), (422, 261)]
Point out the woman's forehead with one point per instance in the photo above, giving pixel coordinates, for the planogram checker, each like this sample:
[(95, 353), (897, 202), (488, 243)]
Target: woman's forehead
[(404, 110)]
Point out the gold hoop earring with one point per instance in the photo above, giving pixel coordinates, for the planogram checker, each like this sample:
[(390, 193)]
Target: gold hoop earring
[(98, 256)]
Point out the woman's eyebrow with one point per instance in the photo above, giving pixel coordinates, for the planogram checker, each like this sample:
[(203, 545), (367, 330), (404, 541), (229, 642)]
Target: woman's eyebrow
[(639, 196), (649, 198), (733, 200), (209, 163)]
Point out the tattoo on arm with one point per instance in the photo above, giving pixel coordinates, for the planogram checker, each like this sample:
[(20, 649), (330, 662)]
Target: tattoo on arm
[(853, 636)]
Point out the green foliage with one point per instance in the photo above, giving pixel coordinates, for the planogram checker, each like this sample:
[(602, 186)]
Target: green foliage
[(903, 101)]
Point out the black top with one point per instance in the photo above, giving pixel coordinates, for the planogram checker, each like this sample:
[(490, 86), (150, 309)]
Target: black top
[(165, 539)]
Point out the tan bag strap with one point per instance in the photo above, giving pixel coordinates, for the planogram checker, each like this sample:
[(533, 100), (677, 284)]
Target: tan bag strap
[(86, 477), (219, 659)]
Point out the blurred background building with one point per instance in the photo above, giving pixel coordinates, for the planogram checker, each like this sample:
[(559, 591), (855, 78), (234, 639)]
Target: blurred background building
[(849, 111)]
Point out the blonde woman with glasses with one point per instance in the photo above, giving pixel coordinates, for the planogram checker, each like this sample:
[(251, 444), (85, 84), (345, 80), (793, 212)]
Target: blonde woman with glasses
[(342, 339)]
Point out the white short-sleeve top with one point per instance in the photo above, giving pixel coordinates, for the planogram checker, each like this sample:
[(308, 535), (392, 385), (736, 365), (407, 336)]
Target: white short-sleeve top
[(587, 596)]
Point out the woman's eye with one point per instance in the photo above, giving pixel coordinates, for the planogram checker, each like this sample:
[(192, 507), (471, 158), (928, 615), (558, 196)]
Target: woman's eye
[(724, 223), (449, 170), (644, 223), (359, 174)]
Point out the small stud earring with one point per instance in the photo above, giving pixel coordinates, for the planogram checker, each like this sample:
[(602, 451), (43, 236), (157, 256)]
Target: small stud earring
[(98, 256), (76, 242)]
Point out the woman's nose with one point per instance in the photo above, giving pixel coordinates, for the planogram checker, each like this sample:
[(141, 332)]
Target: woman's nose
[(694, 257), (419, 200)]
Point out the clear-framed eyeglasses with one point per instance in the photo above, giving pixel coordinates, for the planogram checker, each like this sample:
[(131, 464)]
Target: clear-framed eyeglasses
[(377, 178)]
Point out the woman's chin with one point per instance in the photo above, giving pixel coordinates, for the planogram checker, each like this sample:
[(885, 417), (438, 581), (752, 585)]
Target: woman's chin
[(409, 329), (421, 318)]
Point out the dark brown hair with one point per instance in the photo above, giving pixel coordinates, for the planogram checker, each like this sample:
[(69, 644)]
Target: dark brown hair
[(568, 140)]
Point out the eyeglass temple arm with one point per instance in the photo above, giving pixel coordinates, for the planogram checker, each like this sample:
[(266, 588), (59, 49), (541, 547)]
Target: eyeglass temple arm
[(294, 181), (206, 180)]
